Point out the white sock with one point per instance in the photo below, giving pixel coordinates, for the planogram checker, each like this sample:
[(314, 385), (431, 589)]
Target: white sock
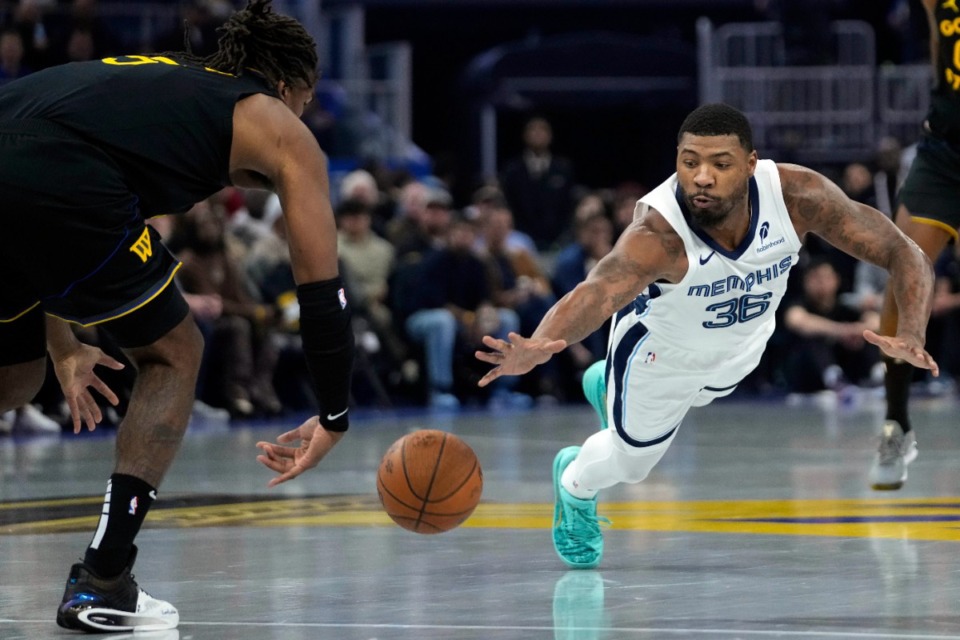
[(601, 464), (573, 487)]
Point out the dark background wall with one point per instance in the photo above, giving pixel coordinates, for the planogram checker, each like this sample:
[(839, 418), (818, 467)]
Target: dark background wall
[(609, 143)]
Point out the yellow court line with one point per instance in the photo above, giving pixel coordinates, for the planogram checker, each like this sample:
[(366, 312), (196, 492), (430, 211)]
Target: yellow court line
[(917, 519), (57, 502)]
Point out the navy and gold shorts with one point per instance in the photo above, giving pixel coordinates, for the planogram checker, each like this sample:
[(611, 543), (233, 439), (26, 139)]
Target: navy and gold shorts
[(932, 187), (74, 245)]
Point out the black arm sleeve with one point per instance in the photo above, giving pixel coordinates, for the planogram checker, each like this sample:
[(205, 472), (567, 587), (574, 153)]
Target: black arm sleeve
[(328, 347)]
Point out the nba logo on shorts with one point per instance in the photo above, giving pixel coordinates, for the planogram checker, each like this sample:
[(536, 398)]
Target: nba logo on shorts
[(133, 506), (343, 298)]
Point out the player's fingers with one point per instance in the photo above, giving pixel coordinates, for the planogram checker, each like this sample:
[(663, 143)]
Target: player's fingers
[(105, 390), (94, 409), (86, 415), (927, 362), (87, 411), (267, 449), (107, 361), (495, 343), (289, 475), (493, 357), (875, 338), (279, 466), (557, 346), (491, 375), (290, 436), (74, 413), (277, 452)]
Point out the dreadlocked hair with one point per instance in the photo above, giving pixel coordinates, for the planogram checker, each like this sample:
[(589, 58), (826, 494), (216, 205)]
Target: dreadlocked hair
[(257, 39)]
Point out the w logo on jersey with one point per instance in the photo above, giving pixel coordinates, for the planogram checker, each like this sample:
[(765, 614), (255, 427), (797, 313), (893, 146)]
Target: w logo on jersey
[(764, 231), (142, 246)]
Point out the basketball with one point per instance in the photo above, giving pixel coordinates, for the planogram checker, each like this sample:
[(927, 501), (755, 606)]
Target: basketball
[(429, 481)]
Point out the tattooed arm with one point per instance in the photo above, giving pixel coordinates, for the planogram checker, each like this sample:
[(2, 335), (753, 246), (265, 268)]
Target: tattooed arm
[(817, 205), (647, 251)]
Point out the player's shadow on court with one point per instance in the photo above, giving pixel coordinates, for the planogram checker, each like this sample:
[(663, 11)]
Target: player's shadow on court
[(578, 612)]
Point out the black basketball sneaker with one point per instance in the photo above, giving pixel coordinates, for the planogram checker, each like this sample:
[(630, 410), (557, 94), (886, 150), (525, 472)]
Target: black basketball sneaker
[(98, 605)]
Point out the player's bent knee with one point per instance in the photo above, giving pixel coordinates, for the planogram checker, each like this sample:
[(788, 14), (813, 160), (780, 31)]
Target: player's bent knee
[(20, 383), (181, 348)]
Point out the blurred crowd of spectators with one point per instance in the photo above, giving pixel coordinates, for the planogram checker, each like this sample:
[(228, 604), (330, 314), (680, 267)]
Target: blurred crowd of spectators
[(428, 276)]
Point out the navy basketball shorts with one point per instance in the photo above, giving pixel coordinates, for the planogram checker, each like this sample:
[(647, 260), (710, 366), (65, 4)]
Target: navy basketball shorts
[(932, 185), (73, 245)]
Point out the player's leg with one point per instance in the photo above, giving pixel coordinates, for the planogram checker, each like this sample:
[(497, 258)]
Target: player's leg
[(640, 433), (23, 352), (897, 441), (101, 595), (76, 239), (131, 295), (594, 384)]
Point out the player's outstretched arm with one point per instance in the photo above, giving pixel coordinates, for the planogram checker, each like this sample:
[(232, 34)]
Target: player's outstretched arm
[(648, 250), (272, 147), (819, 206)]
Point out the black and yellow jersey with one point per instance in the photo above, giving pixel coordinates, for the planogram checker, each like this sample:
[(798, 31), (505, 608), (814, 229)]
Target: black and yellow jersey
[(944, 115), (168, 125)]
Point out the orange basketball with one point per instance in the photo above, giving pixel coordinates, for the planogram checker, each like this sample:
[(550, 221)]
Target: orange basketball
[(429, 481)]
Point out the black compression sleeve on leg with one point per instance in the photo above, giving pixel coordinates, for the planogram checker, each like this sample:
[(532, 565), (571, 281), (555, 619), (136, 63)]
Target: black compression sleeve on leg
[(328, 347)]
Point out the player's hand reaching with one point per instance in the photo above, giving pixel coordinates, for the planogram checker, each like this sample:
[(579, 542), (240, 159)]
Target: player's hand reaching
[(517, 355), (75, 371), (290, 462), (904, 349)]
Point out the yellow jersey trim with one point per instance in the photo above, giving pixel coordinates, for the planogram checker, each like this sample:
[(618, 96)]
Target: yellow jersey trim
[(126, 312), (21, 314), (940, 225)]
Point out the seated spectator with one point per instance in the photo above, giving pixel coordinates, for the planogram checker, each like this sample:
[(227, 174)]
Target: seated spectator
[(488, 198), (242, 357), (268, 266), (29, 20), (857, 183), (254, 219), (869, 285), (432, 227), (593, 239), (518, 283), (624, 204), (361, 185), (369, 259), (457, 309), (11, 56), (827, 346), (83, 34)]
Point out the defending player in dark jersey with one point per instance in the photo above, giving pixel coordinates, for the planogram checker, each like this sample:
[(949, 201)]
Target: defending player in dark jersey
[(930, 215), (88, 151)]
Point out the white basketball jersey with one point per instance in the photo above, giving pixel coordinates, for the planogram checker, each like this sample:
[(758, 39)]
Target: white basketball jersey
[(727, 301)]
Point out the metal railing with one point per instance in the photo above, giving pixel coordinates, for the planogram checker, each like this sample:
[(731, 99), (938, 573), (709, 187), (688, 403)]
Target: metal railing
[(828, 113)]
